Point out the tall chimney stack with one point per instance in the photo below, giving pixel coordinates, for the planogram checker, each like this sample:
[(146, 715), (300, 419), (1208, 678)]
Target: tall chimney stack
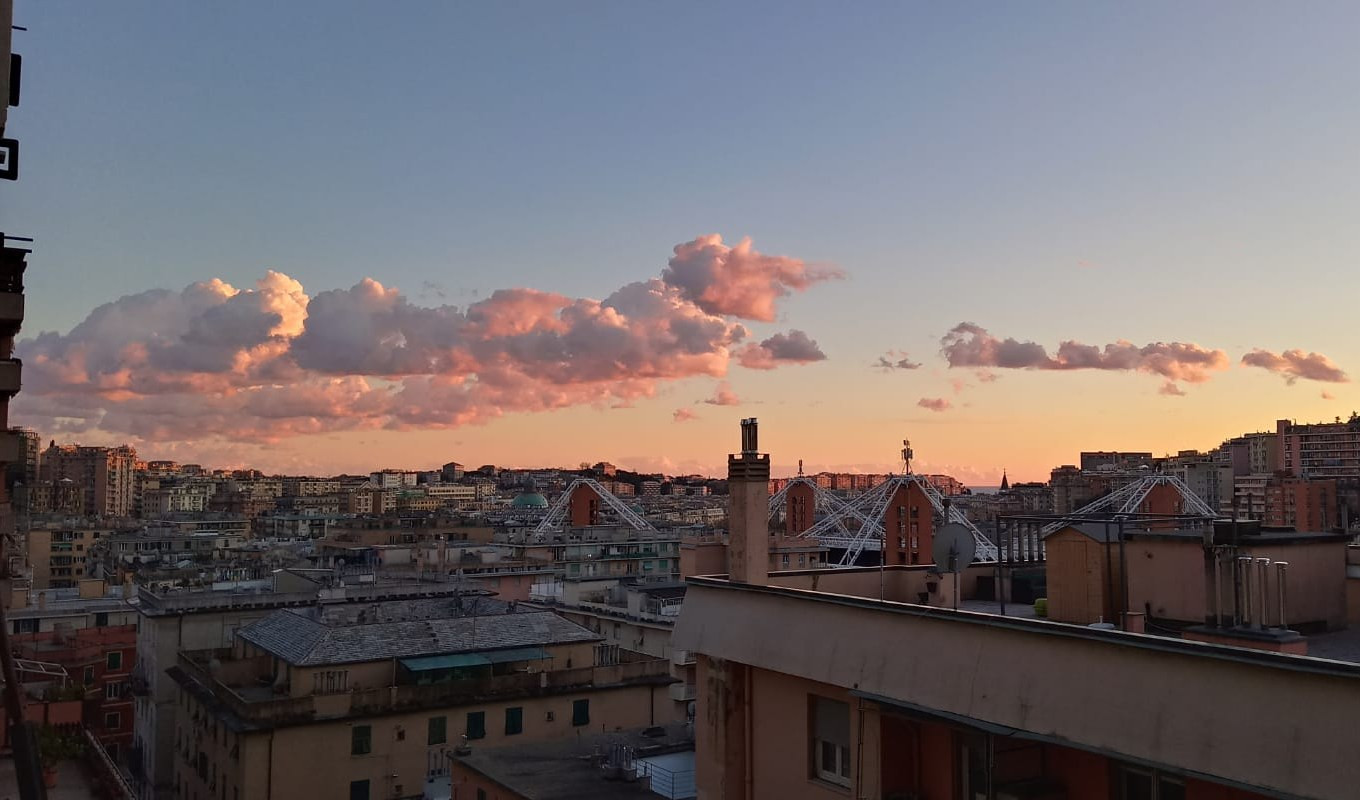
[(748, 510)]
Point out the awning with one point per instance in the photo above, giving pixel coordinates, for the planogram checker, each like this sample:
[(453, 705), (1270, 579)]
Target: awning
[(455, 660), (516, 654)]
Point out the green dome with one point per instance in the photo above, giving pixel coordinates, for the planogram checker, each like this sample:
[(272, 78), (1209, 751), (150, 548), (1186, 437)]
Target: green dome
[(529, 500)]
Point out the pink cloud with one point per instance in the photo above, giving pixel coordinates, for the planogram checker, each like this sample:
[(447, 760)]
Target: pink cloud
[(970, 345), (1170, 389), (1326, 395), (936, 404), (738, 281), (895, 359), (1296, 364), (794, 347), (724, 396), (265, 363), (684, 415)]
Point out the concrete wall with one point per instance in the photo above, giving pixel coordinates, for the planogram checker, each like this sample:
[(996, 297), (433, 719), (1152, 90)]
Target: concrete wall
[(1142, 698), (315, 760)]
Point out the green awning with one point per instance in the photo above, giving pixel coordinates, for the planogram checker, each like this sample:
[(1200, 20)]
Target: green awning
[(431, 663), (515, 654), (455, 660)]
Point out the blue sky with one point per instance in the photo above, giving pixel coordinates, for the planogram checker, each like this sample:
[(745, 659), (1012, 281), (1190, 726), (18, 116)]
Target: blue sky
[(1159, 171)]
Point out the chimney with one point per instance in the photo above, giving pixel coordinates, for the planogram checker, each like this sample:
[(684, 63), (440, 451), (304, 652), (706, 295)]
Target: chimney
[(748, 508)]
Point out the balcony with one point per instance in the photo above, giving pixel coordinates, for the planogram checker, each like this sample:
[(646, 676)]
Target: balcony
[(259, 705), (11, 312), (10, 369)]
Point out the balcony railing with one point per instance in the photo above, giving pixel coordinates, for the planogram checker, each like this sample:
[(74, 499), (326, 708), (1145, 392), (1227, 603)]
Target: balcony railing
[(388, 699)]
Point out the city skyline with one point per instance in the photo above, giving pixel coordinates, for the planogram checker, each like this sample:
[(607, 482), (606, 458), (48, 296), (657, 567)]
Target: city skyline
[(565, 245)]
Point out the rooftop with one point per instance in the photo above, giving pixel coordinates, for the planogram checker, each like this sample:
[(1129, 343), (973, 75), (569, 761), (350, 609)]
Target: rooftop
[(300, 639), (566, 769)]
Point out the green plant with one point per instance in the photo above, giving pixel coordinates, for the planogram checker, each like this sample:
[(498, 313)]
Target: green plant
[(56, 745), (72, 692)]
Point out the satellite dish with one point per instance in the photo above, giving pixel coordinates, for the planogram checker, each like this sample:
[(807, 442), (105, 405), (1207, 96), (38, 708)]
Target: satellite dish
[(954, 548)]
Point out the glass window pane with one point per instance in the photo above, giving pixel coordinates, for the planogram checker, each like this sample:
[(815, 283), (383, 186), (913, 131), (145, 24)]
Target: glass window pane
[(829, 757), (1136, 785), (1170, 789), (845, 762)]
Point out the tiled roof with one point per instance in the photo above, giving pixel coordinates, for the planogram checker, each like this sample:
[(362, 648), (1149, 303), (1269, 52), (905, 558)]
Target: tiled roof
[(303, 641)]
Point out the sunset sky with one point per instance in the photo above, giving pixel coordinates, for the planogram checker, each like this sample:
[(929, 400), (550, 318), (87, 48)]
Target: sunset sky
[(313, 237)]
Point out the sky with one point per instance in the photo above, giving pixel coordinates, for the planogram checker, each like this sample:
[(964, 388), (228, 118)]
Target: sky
[(312, 237)]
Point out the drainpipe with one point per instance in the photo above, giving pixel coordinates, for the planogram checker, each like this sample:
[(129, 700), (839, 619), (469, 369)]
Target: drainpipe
[(1263, 570), (1280, 569), (1244, 573)]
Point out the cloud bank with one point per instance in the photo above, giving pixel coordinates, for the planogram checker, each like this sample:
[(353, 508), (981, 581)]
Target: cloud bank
[(972, 346), (1296, 364), (269, 362)]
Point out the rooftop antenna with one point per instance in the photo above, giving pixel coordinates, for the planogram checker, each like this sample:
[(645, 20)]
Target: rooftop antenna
[(800, 467), (906, 456)]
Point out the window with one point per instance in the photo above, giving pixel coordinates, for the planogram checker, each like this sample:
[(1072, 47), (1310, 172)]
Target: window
[(113, 690), (101, 619), (580, 712), (113, 720), (115, 660), (89, 676), (514, 721), (361, 743), (1138, 783), (481, 794), (830, 733), (438, 730), (476, 725), (26, 625), (358, 790)]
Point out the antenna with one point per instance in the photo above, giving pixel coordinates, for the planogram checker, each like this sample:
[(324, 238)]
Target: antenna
[(906, 456), (954, 550)]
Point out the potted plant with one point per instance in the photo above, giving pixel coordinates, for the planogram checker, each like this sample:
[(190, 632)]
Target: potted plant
[(55, 746)]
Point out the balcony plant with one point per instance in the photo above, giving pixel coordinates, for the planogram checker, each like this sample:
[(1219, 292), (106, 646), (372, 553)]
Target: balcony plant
[(55, 746)]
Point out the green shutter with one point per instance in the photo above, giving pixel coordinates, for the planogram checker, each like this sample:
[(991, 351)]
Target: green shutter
[(360, 740), (476, 724), (514, 721), (580, 712), (438, 731)]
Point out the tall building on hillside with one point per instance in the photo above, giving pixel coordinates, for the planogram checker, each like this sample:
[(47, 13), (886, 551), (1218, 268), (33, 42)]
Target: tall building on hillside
[(107, 475), (1113, 460), (1321, 450), (25, 470)]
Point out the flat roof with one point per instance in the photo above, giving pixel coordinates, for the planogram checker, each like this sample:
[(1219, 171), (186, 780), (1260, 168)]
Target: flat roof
[(567, 769)]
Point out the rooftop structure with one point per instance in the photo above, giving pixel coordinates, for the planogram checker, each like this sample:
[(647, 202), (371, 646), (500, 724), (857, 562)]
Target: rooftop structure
[(652, 762), (856, 682)]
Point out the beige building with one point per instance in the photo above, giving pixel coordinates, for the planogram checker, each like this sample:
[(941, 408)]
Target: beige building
[(105, 474), (372, 701), (60, 556), (851, 683)]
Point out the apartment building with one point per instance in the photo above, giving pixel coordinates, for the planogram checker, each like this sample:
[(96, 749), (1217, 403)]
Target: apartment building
[(175, 620), (105, 474), (90, 631), (843, 684), (373, 702), (1321, 450), (61, 555)]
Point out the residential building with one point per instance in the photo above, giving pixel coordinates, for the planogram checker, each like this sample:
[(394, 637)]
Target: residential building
[(845, 684), (452, 472), (175, 620), (393, 479), (371, 702), (1320, 450), (1112, 460), (91, 633), (61, 555), (105, 475)]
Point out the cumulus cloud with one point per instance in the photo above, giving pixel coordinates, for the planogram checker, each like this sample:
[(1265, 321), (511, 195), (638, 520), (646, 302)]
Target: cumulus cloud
[(936, 404), (684, 415), (895, 359), (724, 396), (264, 363), (794, 347), (738, 281), (1296, 364), (970, 345)]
